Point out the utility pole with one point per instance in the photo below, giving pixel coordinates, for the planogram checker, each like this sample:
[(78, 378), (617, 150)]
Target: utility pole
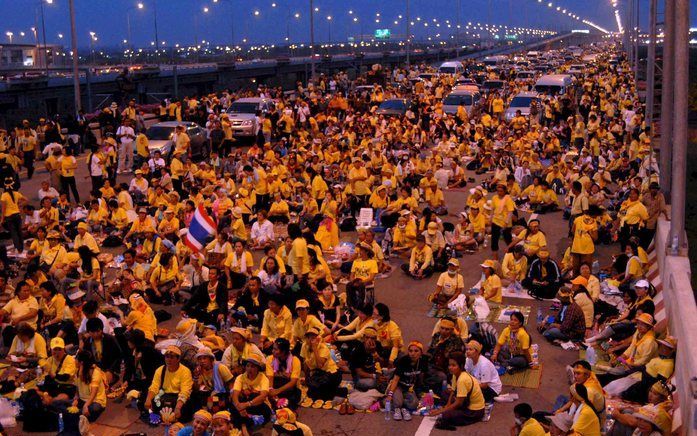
[(157, 41), (457, 31), (408, 34), (667, 99), (681, 82), (636, 41), (651, 65), (43, 32), (76, 72), (312, 40)]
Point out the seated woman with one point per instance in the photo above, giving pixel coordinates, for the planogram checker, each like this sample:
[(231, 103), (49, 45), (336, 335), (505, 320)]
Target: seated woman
[(240, 348), (465, 240), (141, 317), (60, 370), (465, 404), (586, 420), (250, 394), (270, 276), (436, 241), (329, 307), (514, 266), (277, 323), (364, 267), (23, 307), (54, 309), (321, 373), (350, 334), (239, 266), (483, 370), (389, 333), (28, 347), (222, 424), (85, 273), (164, 281), (283, 371), (642, 348), (491, 288), (303, 323), (512, 349), (91, 387), (287, 424), (408, 381), (420, 264), (659, 407)]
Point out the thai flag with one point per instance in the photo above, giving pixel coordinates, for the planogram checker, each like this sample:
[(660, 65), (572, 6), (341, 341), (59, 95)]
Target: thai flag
[(201, 228)]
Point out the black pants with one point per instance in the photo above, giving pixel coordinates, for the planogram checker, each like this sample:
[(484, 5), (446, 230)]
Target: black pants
[(97, 182), (263, 409), (13, 224), (29, 163), (496, 232), (68, 184), (322, 385)]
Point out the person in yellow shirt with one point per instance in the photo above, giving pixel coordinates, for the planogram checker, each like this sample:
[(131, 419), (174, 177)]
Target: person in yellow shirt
[(491, 287), (449, 286), (497, 106), (164, 280), (84, 237), (277, 323), (11, 201), (239, 265), (585, 231), (357, 177), (420, 264), (142, 150), (60, 369), (465, 403), (585, 421), (502, 206), (632, 217), (141, 317), (298, 257), (91, 387), (514, 266), (28, 346), (173, 383), (525, 424), (532, 238), (512, 348), (304, 322), (322, 376), (250, 393), (68, 165)]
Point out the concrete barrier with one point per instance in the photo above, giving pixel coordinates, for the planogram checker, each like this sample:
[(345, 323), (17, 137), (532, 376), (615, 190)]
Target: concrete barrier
[(681, 312)]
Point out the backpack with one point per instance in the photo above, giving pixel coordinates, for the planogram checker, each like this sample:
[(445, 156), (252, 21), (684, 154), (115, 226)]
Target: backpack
[(37, 417)]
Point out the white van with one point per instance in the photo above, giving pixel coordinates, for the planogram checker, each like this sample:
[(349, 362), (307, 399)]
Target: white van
[(495, 61), (454, 68), (554, 84)]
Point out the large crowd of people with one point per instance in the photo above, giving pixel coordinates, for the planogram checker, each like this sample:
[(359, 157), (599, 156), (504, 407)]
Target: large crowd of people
[(281, 308)]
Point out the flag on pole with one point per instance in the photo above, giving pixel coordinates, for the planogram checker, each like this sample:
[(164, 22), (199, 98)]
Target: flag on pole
[(201, 228)]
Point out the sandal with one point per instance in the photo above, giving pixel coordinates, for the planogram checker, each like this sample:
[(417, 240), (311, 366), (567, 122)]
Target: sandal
[(350, 410), (343, 408), (307, 402), (318, 404), (328, 405)]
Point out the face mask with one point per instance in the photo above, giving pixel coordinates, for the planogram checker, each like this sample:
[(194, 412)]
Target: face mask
[(452, 273), (402, 226), (518, 421)]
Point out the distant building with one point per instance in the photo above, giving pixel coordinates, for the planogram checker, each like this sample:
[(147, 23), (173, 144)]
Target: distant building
[(31, 56)]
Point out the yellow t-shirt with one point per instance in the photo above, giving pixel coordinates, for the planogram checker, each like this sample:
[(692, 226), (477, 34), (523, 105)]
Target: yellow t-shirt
[(531, 427), (178, 382), (360, 187), (493, 282), (300, 327), (362, 269), (298, 258), (144, 321), (311, 360), (68, 164), (587, 423), (258, 384), (501, 210), (450, 284), (69, 368), (583, 242), (295, 368), (466, 386), (277, 326), (17, 308), (517, 342), (97, 383), (11, 202)]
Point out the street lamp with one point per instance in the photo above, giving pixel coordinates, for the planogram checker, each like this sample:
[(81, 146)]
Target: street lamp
[(93, 38), (128, 27), (9, 35), (329, 28)]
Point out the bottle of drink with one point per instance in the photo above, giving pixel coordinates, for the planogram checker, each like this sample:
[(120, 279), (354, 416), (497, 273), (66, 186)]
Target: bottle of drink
[(540, 316), (486, 241), (591, 356), (595, 269), (535, 355), (388, 409), (61, 425)]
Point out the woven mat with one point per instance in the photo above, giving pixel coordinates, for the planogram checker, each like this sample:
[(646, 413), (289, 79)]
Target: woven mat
[(530, 378)]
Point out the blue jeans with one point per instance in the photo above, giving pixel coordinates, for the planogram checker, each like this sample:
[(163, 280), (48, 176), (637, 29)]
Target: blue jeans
[(553, 334)]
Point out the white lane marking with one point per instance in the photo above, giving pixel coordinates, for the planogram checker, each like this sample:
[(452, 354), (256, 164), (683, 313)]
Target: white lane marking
[(427, 424)]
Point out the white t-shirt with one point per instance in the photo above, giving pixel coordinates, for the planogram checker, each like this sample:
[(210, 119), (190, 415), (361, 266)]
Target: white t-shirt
[(485, 372), (123, 130), (95, 166)]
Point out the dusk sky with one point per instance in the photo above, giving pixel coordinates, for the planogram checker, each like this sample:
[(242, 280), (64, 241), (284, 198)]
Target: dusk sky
[(176, 23)]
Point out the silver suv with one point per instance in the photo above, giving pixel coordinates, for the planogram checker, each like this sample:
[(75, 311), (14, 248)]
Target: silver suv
[(243, 114)]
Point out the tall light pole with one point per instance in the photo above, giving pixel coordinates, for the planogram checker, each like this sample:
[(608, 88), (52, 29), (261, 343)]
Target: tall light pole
[(667, 96), (408, 33), (73, 43), (651, 64), (457, 30), (312, 40), (154, 14), (681, 82), (93, 38), (329, 29), (9, 35), (43, 31), (128, 27)]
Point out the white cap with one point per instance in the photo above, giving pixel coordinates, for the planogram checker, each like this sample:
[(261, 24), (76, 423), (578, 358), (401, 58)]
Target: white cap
[(642, 284)]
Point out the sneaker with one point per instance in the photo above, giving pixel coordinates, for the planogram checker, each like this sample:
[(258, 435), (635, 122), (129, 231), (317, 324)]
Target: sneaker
[(406, 415), (397, 415)]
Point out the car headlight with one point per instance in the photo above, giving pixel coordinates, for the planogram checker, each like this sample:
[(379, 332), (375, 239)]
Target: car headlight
[(247, 123)]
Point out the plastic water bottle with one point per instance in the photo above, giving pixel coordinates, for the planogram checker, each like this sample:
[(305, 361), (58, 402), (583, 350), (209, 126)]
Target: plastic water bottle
[(444, 391), (388, 409), (486, 241), (61, 425), (540, 316), (591, 356), (674, 246), (535, 355), (595, 269)]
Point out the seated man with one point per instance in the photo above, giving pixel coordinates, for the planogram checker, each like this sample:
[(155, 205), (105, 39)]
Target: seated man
[(420, 264), (542, 281), (569, 323), (365, 361), (483, 370), (104, 348), (449, 286)]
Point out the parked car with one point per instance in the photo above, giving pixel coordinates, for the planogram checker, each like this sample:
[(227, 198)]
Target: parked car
[(160, 137), (521, 102), (243, 114), (468, 98), (493, 85), (393, 106)]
